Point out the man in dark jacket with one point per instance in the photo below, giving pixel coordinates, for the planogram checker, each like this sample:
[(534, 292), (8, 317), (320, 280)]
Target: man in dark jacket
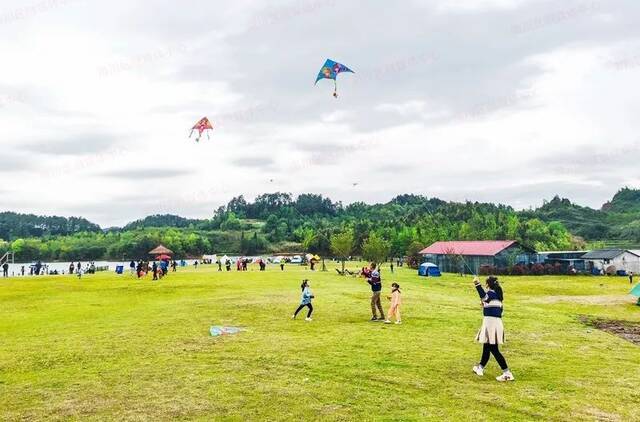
[(375, 281)]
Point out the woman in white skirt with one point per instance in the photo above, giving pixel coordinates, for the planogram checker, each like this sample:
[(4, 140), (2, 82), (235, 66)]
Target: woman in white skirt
[(491, 334)]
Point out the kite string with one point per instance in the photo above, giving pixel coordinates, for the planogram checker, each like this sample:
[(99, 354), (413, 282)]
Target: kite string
[(465, 263)]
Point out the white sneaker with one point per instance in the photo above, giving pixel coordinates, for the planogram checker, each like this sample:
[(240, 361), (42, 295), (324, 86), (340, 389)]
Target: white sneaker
[(506, 376), (308, 319), (479, 370), (386, 321), (398, 322)]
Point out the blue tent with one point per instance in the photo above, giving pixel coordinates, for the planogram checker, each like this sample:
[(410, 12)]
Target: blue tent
[(428, 269)]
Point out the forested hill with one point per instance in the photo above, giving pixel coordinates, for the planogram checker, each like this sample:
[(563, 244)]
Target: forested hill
[(14, 225), (618, 220), (165, 220), (280, 222)]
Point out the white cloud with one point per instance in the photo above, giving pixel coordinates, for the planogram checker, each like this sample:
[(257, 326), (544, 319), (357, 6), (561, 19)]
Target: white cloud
[(97, 99)]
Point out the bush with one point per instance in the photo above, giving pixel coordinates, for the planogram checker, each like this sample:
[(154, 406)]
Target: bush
[(487, 270), (537, 269), (518, 270), (548, 269), (557, 268)]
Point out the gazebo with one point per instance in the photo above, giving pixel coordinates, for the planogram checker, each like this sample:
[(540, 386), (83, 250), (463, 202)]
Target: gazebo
[(161, 250)]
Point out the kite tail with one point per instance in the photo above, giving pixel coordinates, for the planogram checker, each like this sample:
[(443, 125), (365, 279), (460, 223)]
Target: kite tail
[(335, 88)]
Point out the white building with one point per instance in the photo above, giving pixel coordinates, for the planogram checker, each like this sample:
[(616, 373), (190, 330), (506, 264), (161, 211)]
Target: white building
[(620, 259)]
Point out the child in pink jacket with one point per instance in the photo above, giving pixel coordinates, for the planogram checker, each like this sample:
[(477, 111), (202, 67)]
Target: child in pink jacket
[(394, 309)]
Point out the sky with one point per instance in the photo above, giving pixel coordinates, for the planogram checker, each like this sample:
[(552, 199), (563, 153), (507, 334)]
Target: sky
[(510, 101)]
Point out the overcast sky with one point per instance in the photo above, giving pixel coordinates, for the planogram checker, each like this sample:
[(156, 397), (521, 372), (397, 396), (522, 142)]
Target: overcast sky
[(508, 101)]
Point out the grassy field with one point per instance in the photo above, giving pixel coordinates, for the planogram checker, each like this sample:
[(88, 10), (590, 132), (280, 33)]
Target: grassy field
[(110, 347)]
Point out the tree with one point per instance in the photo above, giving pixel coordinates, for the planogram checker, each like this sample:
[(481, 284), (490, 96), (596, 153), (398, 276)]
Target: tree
[(414, 258), (375, 248), (342, 245), (308, 239)]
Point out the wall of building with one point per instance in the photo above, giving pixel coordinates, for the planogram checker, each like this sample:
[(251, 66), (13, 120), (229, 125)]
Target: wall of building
[(626, 261)]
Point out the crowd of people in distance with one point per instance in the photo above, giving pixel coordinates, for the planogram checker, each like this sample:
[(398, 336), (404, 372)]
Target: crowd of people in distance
[(40, 268), (158, 269)]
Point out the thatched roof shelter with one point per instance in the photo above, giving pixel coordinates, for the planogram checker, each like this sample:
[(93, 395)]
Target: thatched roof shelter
[(161, 250)]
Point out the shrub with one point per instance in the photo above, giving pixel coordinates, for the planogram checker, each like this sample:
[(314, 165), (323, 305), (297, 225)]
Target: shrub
[(557, 268), (518, 270), (537, 269), (487, 270)]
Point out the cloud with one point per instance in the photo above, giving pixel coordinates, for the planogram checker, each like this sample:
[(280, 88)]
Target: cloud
[(76, 144), (147, 173), (497, 100), (261, 160)]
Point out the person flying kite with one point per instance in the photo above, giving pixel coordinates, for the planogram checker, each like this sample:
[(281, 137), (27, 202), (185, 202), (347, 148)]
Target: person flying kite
[(330, 70), (203, 125)]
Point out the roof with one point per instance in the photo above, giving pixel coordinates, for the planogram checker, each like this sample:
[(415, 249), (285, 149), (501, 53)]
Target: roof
[(469, 247), (605, 254), (550, 252), (161, 250)]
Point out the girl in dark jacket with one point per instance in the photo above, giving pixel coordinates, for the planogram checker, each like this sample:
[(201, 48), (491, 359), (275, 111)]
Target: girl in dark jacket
[(491, 334)]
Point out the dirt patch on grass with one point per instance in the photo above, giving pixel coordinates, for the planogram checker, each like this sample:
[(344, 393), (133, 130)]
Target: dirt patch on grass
[(585, 300), (629, 331)]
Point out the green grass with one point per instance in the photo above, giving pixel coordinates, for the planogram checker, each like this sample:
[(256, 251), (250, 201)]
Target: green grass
[(114, 348)]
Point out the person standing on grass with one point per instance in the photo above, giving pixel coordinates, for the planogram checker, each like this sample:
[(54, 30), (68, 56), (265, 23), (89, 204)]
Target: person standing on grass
[(375, 281), (282, 265), (394, 309), (305, 300), (5, 269), (491, 334), (391, 265), (630, 277)]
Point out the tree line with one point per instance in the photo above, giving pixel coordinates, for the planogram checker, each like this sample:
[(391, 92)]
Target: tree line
[(278, 222)]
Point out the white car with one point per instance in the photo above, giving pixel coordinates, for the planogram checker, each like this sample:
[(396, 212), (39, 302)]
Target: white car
[(297, 259)]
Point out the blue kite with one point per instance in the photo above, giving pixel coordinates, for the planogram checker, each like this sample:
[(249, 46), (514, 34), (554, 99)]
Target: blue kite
[(330, 70)]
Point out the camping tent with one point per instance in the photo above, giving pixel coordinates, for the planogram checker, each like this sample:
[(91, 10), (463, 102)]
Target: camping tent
[(428, 269)]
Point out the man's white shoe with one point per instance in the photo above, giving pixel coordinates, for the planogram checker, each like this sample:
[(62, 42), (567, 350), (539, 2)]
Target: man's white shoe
[(308, 319), (386, 321), (506, 376), (398, 322), (479, 370)]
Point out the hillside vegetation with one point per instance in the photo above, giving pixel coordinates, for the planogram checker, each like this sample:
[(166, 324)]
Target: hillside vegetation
[(278, 222)]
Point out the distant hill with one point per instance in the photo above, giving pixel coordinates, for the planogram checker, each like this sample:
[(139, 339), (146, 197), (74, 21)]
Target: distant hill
[(617, 221), (162, 220), (278, 222), (14, 225)]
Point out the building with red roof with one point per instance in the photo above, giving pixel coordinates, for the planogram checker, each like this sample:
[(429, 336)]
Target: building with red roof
[(469, 255)]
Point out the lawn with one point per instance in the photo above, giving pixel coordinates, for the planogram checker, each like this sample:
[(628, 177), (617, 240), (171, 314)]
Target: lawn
[(110, 347)]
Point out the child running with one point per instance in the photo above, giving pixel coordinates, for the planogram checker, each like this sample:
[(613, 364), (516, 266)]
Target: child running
[(394, 309), (491, 334), (305, 300)]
